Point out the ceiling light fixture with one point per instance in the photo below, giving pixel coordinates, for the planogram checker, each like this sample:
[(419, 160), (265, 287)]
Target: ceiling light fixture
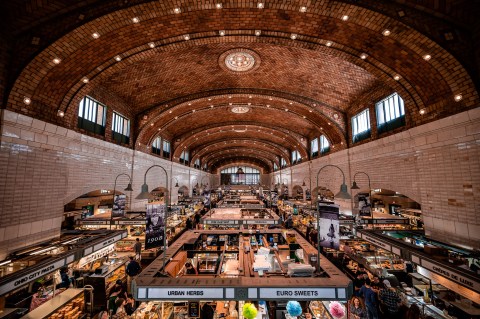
[(135, 20), (27, 100), (386, 32), (363, 56), (397, 77), (345, 18), (427, 57), (422, 111), (151, 45), (329, 43), (57, 60), (85, 80), (218, 6), (177, 10), (186, 37), (118, 58), (303, 9), (60, 113), (95, 35), (260, 5), (293, 36), (221, 32), (258, 32), (458, 97)]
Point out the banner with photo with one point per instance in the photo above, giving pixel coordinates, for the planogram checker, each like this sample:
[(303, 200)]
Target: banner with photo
[(364, 204), (155, 226), (329, 225), (118, 209)]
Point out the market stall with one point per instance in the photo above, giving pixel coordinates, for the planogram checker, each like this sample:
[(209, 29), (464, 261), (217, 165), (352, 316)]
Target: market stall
[(236, 218)]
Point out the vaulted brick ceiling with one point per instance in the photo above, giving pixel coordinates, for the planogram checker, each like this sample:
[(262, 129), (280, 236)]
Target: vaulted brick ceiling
[(308, 79)]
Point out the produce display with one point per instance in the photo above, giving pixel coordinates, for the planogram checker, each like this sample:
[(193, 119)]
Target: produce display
[(319, 311), (72, 310)]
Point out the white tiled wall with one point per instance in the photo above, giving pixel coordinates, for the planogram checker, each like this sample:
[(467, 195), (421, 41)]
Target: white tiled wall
[(43, 167)]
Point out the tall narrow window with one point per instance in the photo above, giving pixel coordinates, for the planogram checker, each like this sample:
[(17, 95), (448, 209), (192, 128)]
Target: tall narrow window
[(120, 128), (184, 157), (361, 126), (166, 149), (197, 164), (157, 146), (324, 145), (92, 115), (314, 147), (283, 163), (390, 113), (275, 167), (296, 157), (240, 175)]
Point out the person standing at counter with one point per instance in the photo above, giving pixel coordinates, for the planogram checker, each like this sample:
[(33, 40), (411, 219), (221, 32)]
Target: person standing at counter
[(188, 224), (370, 299), (137, 248), (391, 300), (309, 230), (133, 269), (197, 219), (190, 270), (357, 309)]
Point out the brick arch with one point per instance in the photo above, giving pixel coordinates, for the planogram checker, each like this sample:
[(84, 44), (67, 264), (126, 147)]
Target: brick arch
[(417, 43)]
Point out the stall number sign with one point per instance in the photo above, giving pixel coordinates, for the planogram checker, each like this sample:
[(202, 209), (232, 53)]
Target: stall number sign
[(377, 242), (98, 254), (475, 285), (184, 293), (132, 222), (93, 222), (107, 242), (260, 221), (297, 293), (34, 275)]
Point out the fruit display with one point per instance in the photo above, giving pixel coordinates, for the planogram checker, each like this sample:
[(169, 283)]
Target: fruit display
[(72, 310)]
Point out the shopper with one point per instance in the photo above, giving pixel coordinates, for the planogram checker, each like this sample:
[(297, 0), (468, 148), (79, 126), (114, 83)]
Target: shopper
[(370, 298), (112, 299), (289, 222), (65, 279), (357, 309), (358, 283), (188, 223), (132, 270), (190, 270), (120, 313), (390, 299), (129, 305), (138, 250), (309, 230), (197, 217)]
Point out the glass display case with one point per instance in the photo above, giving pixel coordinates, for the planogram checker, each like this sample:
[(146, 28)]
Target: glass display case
[(206, 263), (69, 304), (154, 310), (318, 310)]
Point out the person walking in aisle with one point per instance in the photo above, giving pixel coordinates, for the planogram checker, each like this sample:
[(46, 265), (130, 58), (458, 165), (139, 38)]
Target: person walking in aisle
[(391, 300), (370, 300), (138, 250), (132, 270)]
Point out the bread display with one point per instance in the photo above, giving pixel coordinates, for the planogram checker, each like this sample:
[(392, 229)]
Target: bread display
[(72, 310)]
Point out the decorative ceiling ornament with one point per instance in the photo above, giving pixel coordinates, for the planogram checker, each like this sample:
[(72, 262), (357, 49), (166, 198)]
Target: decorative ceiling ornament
[(239, 60), (240, 109)]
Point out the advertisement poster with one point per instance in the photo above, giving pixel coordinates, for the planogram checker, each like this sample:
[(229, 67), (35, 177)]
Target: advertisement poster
[(329, 225), (119, 202), (364, 204), (154, 233)]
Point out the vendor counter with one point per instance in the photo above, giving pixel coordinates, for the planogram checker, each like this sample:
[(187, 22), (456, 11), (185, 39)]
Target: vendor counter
[(240, 265)]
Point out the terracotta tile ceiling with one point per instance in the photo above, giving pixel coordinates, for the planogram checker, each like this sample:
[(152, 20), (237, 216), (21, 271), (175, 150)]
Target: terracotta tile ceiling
[(164, 65)]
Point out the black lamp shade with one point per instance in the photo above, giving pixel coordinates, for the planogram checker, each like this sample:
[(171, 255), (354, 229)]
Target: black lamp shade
[(144, 194), (343, 194), (129, 188), (354, 185)]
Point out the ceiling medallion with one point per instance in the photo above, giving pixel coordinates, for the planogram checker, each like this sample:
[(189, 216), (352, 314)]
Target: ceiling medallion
[(239, 60), (240, 109)]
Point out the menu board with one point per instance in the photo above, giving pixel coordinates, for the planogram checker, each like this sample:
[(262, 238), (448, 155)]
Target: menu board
[(194, 309)]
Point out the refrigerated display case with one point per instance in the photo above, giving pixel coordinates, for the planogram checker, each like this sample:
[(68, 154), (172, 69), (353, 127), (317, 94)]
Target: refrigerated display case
[(69, 304)]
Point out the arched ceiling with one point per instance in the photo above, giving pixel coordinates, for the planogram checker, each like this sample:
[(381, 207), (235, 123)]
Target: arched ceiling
[(167, 70)]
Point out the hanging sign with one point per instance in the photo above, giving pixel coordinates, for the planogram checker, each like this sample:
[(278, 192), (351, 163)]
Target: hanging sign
[(119, 202), (297, 293), (96, 255), (454, 276), (185, 293), (329, 225), (155, 225), (261, 221), (131, 222), (377, 242), (93, 222), (220, 222), (32, 276)]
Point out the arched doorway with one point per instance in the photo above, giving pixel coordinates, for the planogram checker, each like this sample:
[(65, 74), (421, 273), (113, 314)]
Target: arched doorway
[(297, 192)]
